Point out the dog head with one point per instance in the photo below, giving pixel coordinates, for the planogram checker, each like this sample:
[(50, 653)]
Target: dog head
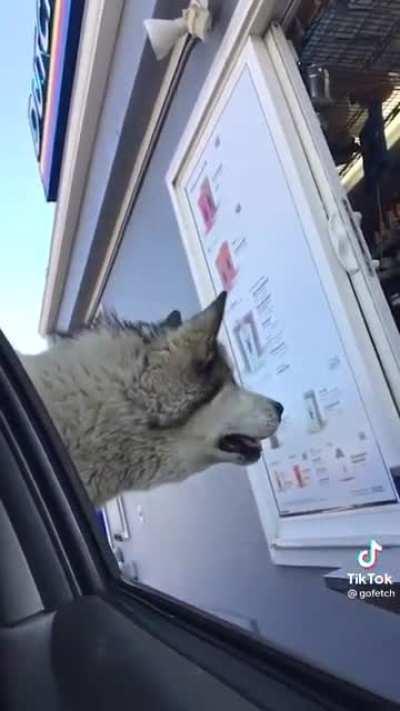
[(156, 402), (188, 388)]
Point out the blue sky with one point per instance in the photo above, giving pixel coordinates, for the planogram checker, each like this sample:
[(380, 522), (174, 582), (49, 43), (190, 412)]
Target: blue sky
[(26, 218)]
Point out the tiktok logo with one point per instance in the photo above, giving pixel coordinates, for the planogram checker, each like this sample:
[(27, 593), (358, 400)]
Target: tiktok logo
[(368, 557)]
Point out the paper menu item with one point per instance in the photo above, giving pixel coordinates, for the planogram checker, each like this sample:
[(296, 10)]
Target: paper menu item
[(248, 341), (207, 206), (315, 419), (225, 267)]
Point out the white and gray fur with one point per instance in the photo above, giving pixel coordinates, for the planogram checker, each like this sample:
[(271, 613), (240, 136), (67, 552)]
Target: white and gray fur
[(140, 404)]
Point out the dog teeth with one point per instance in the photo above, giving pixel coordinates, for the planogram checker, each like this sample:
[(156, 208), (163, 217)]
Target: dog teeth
[(247, 448), (251, 442)]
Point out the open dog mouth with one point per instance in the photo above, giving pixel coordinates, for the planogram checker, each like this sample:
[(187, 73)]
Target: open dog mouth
[(248, 447)]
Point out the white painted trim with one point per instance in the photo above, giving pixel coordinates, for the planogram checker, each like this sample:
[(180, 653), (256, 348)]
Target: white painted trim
[(99, 33), (365, 282), (171, 77), (387, 540)]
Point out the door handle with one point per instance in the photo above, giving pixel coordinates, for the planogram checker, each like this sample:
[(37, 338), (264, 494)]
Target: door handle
[(342, 245)]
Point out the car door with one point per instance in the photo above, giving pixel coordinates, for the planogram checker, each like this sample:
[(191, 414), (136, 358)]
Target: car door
[(75, 635)]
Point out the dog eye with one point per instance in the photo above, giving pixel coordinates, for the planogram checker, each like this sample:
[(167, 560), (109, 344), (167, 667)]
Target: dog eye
[(206, 365)]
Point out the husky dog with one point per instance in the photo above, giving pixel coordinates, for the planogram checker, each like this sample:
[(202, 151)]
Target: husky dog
[(142, 404)]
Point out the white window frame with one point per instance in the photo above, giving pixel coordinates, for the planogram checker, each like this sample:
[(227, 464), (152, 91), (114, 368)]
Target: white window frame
[(322, 539), (333, 193), (117, 525)]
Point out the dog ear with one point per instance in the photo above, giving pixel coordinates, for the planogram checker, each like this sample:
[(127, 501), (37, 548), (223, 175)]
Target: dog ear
[(206, 326), (202, 330), (199, 334), (209, 320), (173, 320)]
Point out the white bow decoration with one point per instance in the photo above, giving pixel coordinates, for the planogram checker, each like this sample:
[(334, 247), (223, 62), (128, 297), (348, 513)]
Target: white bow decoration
[(164, 34)]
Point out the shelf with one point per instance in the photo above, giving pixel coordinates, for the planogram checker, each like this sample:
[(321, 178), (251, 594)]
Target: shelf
[(387, 245), (358, 42), (355, 35), (387, 274)]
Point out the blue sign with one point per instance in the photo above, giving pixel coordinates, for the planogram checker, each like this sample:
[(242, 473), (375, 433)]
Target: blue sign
[(56, 42)]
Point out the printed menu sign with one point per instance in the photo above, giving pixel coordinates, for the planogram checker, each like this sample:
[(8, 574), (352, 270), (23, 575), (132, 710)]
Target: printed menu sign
[(281, 328)]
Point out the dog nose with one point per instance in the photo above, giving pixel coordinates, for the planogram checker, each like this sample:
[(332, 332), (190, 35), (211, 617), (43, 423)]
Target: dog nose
[(279, 408)]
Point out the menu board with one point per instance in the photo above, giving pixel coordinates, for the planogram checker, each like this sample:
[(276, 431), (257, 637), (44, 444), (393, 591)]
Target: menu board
[(281, 327)]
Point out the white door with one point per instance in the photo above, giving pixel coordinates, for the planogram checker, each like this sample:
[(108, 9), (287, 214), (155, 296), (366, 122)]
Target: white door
[(262, 215)]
